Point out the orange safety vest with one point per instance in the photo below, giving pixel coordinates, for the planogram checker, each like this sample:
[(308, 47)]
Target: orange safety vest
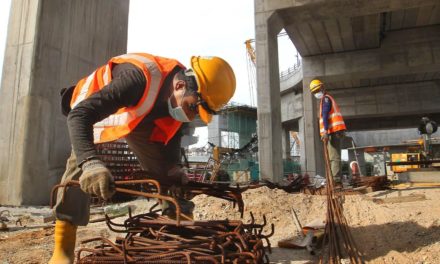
[(335, 121), (121, 123)]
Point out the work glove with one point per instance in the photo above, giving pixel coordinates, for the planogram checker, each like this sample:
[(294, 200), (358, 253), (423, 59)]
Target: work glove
[(96, 179), (177, 175), (324, 137)]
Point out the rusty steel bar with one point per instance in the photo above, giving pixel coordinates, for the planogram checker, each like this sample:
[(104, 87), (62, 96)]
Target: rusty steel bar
[(152, 238), (336, 229), (127, 191), (190, 242)]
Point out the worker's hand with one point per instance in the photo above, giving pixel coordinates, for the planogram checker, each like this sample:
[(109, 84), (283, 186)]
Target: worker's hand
[(96, 179), (177, 175), (178, 178), (324, 137)]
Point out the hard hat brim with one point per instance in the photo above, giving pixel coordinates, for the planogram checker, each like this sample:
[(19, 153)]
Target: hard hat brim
[(316, 88), (204, 115)]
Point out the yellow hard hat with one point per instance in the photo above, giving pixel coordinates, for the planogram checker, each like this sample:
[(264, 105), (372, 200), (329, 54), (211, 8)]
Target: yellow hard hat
[(315, 86), (216, 84)]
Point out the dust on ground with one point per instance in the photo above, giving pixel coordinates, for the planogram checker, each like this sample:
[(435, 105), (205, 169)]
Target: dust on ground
[(386, 233)]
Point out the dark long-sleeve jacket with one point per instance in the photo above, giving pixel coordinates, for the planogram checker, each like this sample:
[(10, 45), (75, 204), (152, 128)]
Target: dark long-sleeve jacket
[(326, 107), (125, 90)]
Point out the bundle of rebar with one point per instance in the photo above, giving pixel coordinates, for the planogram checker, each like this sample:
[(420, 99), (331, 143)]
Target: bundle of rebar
[(337, 232), (151, 238), (149, 188)]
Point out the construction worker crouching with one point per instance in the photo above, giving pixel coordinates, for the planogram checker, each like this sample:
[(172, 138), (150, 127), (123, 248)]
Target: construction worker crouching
[(331, 127), (144, 99)]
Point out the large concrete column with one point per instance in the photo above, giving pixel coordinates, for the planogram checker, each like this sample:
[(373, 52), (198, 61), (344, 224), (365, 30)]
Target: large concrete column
[(51, 44), (268, 25), (285, 141), (311, 152), (214, 129)]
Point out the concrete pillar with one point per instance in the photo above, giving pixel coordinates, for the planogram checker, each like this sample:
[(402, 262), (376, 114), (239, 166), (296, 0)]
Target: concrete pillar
[(312, 150), (51, 44), (285, 140), (302, 150), (214, 129), (268, 25)]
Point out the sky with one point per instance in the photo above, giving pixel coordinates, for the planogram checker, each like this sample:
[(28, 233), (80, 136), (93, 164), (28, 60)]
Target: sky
[(4, 16), (200, 27), (180, 29), (195, 27)]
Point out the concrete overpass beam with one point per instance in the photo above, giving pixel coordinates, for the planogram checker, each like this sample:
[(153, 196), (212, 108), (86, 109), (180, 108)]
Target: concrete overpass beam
[(389, 100), (295, 12), (402, 53)]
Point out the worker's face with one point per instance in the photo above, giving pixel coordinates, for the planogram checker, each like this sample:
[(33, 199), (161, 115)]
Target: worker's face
[(183, 98), (318, 95)]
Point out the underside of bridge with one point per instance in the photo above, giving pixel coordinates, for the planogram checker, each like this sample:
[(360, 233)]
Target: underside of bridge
[(380, 60)]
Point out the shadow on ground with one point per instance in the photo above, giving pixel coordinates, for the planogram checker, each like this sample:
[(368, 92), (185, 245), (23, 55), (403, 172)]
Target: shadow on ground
[(377, 240), (374, 241)]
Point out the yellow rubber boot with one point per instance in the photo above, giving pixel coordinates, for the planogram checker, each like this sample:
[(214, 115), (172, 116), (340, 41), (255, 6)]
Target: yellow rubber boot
[(65, 236)]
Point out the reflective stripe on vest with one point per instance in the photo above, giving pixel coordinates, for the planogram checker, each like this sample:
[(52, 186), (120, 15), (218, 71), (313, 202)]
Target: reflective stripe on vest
[(335, 120), (125, 120)]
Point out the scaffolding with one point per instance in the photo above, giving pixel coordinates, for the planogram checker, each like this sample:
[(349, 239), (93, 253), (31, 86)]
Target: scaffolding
[(235, 130), (240, 123)]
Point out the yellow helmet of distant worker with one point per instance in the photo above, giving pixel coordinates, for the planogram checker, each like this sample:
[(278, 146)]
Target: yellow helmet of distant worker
[(216, 84), (315, 86)]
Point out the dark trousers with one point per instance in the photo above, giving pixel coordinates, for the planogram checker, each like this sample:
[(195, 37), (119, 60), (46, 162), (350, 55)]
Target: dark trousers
[(334, 153)]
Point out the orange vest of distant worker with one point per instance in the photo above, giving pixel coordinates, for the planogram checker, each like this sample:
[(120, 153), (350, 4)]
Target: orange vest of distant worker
[(121, 123), (335, 120)]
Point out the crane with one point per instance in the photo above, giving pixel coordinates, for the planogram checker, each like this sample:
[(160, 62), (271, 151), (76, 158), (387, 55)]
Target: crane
[(251, 66)]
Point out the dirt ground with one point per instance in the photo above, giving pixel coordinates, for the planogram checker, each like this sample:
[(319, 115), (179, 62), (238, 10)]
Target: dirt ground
[(407, 232)]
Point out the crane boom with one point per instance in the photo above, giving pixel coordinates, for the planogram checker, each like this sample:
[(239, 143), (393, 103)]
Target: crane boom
[(251, 51)]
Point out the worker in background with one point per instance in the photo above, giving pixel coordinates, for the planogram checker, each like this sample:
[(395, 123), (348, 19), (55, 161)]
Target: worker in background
[(144, 99), (354, 167), (331, 127), (427, 127)]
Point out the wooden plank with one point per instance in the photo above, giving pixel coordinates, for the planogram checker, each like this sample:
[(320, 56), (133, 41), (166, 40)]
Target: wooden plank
[(400, 199), (409, 185)]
